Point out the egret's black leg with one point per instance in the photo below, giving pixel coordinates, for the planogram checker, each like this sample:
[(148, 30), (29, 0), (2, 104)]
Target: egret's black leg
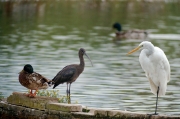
[(156, 101)]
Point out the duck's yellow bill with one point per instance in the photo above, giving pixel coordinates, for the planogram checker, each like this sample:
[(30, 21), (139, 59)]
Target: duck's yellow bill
[(134, 50)]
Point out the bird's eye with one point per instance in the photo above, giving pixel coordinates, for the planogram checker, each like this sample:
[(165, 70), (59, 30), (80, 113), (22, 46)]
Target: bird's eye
[(82, 52)]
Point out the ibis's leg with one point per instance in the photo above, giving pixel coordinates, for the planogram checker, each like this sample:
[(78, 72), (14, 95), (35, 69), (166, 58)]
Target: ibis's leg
[(156, 101), (67, 90), (69, 98)]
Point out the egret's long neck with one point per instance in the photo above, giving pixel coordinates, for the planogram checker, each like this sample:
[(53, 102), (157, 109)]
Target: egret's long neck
[(149, 50)]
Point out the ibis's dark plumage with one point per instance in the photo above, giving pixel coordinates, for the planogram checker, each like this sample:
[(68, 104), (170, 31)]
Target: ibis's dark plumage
[(134, 34), (70, 73)]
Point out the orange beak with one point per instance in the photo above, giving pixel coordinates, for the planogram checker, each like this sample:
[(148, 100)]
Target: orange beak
[(134, 50)]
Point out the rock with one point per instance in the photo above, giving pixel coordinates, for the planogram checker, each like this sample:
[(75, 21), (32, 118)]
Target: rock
[(39, 102), (23, 107), (64, 107)]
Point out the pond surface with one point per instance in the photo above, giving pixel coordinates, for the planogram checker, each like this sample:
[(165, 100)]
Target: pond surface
[(48, 35)]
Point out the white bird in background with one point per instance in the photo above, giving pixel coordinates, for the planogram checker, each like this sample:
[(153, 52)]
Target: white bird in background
[(156, 66)]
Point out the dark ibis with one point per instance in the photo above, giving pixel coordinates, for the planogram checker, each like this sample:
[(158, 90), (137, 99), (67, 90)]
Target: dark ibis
[(133, 34), (71, 72)]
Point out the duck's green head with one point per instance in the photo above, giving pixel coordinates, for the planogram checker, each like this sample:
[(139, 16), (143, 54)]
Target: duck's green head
[(28, 68), (117, 26)]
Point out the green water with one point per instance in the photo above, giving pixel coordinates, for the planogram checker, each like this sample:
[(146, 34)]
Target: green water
[(49, 34)]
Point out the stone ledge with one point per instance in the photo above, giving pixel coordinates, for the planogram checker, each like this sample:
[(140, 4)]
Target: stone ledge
[(9, 111), (64, 107), (39, 102), (14, 112), (115, 113), (83, 113), (20, 106), (119, 114)]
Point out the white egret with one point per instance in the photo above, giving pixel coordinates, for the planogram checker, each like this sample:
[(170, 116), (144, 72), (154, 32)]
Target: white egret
[(156, 67)]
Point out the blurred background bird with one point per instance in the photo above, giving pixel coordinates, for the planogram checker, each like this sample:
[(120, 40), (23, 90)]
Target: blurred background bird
[(32, 80), (156, 67), (130, 34)]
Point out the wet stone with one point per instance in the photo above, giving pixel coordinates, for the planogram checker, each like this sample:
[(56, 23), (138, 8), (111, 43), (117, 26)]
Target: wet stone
[(64, 107), (39, 102)]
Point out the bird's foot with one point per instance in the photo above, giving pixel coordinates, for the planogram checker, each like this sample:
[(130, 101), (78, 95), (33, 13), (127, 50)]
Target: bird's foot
[(69, 99), (31, 95), (68, 96)]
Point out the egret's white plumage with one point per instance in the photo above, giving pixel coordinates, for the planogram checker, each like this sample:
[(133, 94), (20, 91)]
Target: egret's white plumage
[(156, 66)]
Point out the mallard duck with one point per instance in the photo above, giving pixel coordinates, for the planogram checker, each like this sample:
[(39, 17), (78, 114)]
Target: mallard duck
[(32, 80), (134, 34)]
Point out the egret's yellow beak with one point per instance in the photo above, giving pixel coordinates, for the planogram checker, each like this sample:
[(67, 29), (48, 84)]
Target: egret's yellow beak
[(134, 50)]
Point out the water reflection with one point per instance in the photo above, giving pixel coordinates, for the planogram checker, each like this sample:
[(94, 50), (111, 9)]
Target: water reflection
[(49, 34)]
